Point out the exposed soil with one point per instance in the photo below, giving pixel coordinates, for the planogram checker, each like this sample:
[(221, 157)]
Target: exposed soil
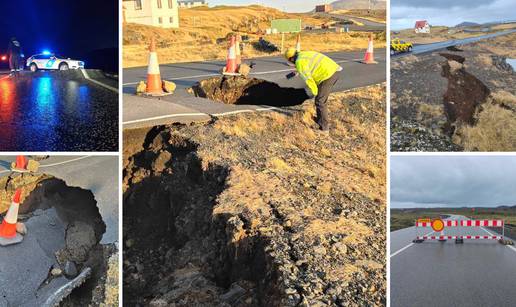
[(249, 91), (464, 95), (258, 210), (77, 211)]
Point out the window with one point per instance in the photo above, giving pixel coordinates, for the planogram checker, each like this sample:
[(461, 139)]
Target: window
[(160, 20), (171, 19), (138, 4), (159, 4), (171, 4)]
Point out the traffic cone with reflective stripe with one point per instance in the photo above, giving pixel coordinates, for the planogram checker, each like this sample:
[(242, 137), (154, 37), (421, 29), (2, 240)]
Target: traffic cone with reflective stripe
[(154, 84), (231, 62), (8, 234), (369, 55), (237, 50), (298, 42), (20, 165)]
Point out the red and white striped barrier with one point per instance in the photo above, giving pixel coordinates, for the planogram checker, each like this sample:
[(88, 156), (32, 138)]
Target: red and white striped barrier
[(459, 237), (438, 225), (464, 223)]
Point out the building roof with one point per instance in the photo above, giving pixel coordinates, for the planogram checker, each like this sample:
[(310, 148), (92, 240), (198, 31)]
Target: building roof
[(421, 23)]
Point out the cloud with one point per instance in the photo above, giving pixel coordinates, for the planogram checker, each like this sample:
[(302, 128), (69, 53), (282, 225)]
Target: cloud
[(453, 181), (404, 13)]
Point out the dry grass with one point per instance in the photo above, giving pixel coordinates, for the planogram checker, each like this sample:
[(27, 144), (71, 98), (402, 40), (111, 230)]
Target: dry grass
[(202, 33), (494, 131), (112, 282), (343, 225)]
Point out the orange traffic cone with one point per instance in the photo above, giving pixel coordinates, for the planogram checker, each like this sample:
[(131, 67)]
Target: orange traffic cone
[(237, 49), (231, 62), (369, 55), (298, 43), (8, 234), (154, 85), (20, 165)]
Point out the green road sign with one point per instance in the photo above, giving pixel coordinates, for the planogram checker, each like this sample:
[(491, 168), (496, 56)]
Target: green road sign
[(286, 25)]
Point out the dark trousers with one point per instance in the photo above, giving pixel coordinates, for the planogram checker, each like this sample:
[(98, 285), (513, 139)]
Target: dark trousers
[(14, 62), (322, 98)]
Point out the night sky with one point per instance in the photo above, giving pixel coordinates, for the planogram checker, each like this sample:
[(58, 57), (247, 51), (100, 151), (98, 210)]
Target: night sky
[(72, 28)]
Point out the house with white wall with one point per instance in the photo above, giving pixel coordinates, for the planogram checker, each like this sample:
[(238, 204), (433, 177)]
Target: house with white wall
[(192, 3), (158, 13), (422, 26)]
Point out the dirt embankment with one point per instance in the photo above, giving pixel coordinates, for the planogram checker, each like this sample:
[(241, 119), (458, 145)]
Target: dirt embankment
[(78, 249), (461, 99), (259, 209)]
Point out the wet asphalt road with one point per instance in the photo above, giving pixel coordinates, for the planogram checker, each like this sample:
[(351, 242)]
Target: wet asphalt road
[(476, 273), (56, 111)]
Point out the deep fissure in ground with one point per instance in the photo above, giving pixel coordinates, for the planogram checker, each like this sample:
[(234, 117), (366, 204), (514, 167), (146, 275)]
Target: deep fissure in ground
[(464, 96), (78, 211), (248, 91), (176, 250)]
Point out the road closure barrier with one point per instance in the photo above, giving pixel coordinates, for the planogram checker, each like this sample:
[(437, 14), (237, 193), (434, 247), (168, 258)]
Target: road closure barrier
[(440, 226)]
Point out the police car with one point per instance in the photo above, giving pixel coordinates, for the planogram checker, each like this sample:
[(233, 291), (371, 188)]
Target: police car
[(50, 61)]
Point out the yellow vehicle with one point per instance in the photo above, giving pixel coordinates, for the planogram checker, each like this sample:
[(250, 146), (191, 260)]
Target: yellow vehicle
[(398, 46)]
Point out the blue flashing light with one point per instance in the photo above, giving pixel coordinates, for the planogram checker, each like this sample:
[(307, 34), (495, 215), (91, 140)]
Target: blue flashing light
[(46, 52)]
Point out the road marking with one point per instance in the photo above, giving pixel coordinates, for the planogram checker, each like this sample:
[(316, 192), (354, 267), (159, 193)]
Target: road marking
[(409, 245), (218, 114), (52, 164), (85, 74), (63, 162), (253, 73), (509, 246), (200, 114), (162, 117)]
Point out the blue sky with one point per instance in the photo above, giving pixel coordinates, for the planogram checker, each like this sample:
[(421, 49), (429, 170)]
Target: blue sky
[(285, 5), (404, 13)]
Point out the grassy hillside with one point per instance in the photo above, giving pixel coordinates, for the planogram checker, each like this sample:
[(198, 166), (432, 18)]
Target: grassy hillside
[(202, 34)]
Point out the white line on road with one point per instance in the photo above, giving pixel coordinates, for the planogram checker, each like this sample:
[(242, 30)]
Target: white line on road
[(409, 245), (215, 114), (163, 117), (85, 74), (253, 73), (492, 234), (52, 164)]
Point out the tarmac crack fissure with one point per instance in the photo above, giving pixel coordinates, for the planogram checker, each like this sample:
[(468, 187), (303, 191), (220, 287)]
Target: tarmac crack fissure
[(464, 95), (241, 90), (178, 252), (75, 210)]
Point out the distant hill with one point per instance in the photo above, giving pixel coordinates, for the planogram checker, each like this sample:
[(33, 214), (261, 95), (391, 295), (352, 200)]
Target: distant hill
[(358, 4), (467, 24)]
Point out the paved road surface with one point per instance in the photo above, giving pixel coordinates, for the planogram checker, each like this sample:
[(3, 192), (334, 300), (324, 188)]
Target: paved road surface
[(25, 266), (476, 273), (57, 111), (138, 112), (424, 48)]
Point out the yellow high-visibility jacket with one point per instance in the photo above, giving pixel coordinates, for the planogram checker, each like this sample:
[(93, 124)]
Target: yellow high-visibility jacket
[(314, 68)]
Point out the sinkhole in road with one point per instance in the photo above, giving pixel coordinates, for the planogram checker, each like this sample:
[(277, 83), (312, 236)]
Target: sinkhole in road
[(77, 247), (177, 251), (248, 91), (464, 94)]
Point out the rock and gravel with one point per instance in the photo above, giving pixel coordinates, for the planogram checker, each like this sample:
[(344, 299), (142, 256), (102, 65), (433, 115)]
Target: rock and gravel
[(259, 209)]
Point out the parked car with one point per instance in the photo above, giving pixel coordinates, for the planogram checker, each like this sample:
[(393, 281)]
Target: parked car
[(50, 61)]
